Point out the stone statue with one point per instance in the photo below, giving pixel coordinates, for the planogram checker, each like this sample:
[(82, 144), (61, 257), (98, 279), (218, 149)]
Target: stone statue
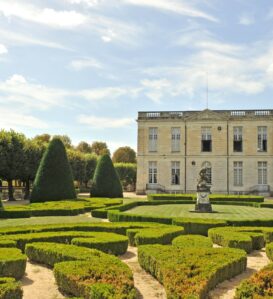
[(203, 191)]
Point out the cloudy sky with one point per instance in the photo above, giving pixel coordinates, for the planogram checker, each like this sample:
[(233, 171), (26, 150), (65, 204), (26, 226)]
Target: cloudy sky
[(86, 67)]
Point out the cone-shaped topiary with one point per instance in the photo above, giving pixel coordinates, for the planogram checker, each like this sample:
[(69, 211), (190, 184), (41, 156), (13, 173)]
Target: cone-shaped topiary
[(106, 182), (54, 179)]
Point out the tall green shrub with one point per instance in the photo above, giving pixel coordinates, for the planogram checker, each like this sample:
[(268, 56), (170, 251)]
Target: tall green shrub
[(54, 180), (106, 182), (127, 173)]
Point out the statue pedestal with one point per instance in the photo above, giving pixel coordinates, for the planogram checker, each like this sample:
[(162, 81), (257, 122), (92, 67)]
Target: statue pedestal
[(203, 204)]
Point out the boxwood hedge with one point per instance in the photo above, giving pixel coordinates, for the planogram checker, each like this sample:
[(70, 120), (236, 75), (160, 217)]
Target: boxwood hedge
[(12, 263), (10, 289), (78, 270), (191, 241), (190, 273), (259, 285)]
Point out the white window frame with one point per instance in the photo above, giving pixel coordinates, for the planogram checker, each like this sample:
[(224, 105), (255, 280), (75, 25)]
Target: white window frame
[(175, 172), (262, 173), (153, 137), (238, 173), (262, 136), (176, 138), (153, 179)]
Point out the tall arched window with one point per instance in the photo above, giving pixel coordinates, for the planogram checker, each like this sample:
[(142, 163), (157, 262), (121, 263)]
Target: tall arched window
[(207, 165)]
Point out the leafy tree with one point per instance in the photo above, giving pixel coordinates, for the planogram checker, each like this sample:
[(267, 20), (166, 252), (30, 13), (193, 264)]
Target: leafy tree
[(106, 182), (90, 167), (124, 155), (77, 163), (100, 148), (11, 157), (84, 147), (127, 173), (43, 138), (33, 152), (65, 139), (54, 180)]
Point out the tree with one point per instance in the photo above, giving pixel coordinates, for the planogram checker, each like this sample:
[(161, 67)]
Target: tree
[(90, 167), (127, 173), (11, 157), (106, 182), (65, 139), (43, 138), (84, 147), (77, 163), (54, 180), (33, 152), (124, 155), (100, 148)]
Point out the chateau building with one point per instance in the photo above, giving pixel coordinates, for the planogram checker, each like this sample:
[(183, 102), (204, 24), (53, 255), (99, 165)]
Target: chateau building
[(236, 146)]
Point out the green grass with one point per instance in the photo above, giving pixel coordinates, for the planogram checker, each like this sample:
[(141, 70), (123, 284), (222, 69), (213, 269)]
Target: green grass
[(48, 220), (224, 212)]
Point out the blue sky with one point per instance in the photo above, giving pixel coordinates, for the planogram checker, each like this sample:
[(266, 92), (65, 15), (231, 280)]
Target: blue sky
[(86, 67)]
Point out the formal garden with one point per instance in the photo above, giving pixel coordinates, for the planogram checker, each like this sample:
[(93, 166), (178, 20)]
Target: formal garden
[(101, 245)]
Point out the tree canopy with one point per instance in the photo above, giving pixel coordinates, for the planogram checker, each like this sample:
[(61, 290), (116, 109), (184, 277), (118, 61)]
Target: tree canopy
[(124, 154), (100, 148)]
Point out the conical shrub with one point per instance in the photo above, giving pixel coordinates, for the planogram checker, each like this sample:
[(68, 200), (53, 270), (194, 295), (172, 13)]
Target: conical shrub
[(106, 182), (54, 179)]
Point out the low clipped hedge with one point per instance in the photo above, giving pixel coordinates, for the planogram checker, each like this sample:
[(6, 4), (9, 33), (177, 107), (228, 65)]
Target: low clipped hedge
[(191, 273), (106, 242), (259, 285), (244, 238), (269, 250), (12, 263), (213, 197), (192, 241), (198, 226), (157, 235), (84, 272), (10, 289), (7, 244)]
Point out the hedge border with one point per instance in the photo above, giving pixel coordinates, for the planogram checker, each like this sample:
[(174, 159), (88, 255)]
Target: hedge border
[(9, 288)]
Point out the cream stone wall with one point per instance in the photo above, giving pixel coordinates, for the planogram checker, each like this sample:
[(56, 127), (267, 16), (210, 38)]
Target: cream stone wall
[(191, 157)]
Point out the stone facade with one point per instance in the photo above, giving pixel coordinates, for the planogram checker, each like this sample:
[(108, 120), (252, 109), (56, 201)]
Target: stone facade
[(237, 145)]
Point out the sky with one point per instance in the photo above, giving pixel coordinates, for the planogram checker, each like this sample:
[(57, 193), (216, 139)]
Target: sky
[(86, 67)]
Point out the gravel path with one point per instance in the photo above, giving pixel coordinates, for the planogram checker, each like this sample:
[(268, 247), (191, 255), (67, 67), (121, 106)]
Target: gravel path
[(147, 286), (256, 260), (39, 282)]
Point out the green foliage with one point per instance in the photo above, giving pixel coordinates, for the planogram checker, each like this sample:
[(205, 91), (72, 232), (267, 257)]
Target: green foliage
[(124, 155), (10, 289), (12, 263), (106, 242), (198, 226), (54, 179), (190, 273), (84, 147), (90, 167), (100, 148), (269, 251), (65, 140), (106, 182), (258, 286), (78, 269), (77, 163), (127, 173), (171, 197), (244, 238), (7, 244), (192, 241)]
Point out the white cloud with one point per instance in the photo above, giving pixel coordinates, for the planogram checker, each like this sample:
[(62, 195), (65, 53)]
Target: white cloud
[(103, 122), (16, 38), (3, 49), (174, 6), (11, 119), (246, 20), (106, 93), (155, 89), (85, 63), (45, 16), (87, 2)]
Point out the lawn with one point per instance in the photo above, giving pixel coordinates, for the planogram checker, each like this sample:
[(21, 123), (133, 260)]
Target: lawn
[(223, 212), (48, 220)]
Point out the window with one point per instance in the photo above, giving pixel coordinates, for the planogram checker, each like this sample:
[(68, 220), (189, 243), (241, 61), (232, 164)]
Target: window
[(176, 135), (238, 173), (238, 139), (153, 139), (175, 173), (206, 139), (262, 139), (207, 165), (262, 173), (152, 172)]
